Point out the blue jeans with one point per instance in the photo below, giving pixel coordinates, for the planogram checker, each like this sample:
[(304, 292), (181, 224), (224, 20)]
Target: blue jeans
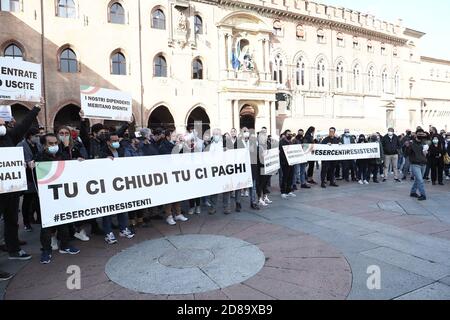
[(123, 222), (417, 172), (252, 191)]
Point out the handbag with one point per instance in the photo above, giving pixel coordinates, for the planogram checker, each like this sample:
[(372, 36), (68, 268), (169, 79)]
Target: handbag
[(446, 159)]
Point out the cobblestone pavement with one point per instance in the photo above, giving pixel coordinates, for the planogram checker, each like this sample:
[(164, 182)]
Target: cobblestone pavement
[(319, 245)]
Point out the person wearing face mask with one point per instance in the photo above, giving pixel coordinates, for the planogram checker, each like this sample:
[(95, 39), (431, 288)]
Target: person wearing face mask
[(232, 144), (286, 169), (9, 202), (374, 164), (406, 139), (53, 152), (391, 145), (217, 146), (30, 204), (328, 167), (300, 169), (436, 160), (417, 152), (348, 165), (113, 150), (363, 165), (172, 144), (307, 140), (447, 156)]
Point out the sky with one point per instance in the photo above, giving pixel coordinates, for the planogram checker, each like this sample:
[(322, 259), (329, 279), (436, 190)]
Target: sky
[(431, 17)]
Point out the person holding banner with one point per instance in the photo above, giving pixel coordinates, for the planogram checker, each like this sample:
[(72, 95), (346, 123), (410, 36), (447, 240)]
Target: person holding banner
[(234, 143), (30, 204), (262, 183), (172, 144), (329, 167), (309, 139), (53, 152), (286, 169), (374, 164), (348, 166), (114, 150), (217, 146), (300, 169), (363, 165), (9, 202)]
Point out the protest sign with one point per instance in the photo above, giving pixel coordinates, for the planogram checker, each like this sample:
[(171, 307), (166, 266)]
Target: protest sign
[(335, 152), (12, 170), (271, 162), (5, 113), (294, 154), (20, 80), (99, 103), (71, 191)]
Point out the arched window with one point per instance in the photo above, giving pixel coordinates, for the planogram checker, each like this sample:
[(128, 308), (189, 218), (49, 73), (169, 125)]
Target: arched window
[(198, 24), (320, 36), (321, 73), (67, 9), (68, 61), (301, 72), (371, 79), (300, 32), (397, 82), (384, 81), (197, 69), (10, 5), (158, 20), (278, 69), (117, 13), (356, 78), (160, 66), (13, 51), (118, 64), (340, 76), (355, 43), (277, 28), (340, 39)]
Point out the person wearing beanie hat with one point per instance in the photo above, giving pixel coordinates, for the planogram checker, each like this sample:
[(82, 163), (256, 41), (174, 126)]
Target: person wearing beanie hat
[(417, 152)]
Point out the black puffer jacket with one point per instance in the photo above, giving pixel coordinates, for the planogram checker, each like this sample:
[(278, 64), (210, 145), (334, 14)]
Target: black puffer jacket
[(390, 146)]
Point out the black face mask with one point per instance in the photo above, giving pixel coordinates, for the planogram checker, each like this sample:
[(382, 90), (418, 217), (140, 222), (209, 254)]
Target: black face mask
[(289, 137)]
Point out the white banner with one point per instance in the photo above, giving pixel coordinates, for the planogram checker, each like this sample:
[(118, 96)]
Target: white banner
[(99, 103), (13, 177), (5, 113), (71, 191), (271, 162), (20, 80), (335, 152), (294, 154)]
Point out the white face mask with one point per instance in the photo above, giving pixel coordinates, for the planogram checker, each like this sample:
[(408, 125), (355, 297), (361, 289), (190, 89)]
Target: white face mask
[(2, 131), (246, 134), (390, 134)]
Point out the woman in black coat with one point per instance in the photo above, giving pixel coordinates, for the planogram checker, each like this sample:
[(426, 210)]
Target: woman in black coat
[(309, 139), (436, 160)]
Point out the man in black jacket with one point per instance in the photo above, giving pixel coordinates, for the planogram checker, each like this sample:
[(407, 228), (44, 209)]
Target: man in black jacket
[(391, 145), (329, 167), (9, 202), (287, 170), (417, 152)]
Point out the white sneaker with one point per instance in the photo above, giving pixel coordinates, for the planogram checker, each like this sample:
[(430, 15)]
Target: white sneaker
[(292, 195), (382, 175), (447, 178), (54, 243), (181, 217), (191, 211), (242, 194), (267, 200), (366, 182), (360, 182), (126, 233), (284, 196), (81, 235), (246, 193), (207, 203), (198, 210), (262, 203), (170, 221), (110, 238)]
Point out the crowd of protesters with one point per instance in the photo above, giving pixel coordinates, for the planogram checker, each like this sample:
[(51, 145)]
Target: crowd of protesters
[(412, 155)]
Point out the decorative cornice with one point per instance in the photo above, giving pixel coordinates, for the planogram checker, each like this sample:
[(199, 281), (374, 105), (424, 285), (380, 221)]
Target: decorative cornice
[(302, 18)]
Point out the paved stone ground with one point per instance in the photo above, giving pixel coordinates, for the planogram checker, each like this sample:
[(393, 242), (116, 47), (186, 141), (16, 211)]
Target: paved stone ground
[(316, 246)]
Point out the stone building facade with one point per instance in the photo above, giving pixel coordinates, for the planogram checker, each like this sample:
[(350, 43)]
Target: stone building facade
[(279, 64)]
